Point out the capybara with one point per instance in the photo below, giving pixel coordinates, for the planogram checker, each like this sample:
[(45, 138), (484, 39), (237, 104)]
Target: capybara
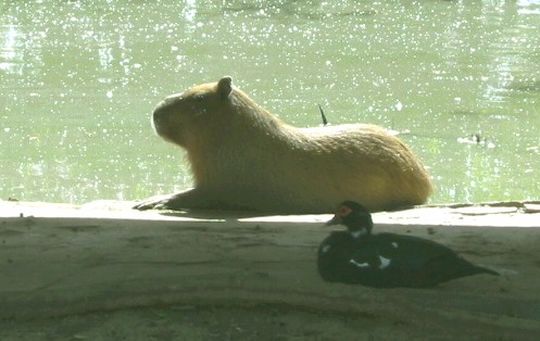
[(245, 158)]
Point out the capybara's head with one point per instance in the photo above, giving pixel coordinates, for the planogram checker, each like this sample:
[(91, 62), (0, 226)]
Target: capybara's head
[(182, 118)]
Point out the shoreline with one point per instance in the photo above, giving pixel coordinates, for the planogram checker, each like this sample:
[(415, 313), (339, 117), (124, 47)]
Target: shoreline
[(511, 213)]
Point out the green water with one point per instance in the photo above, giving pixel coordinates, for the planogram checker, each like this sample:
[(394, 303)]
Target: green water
[(78, 81)]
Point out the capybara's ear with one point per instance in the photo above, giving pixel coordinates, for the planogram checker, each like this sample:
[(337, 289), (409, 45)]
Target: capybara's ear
[(224, 86)]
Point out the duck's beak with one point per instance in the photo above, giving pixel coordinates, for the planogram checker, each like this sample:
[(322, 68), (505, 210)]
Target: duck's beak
[(336, 220)]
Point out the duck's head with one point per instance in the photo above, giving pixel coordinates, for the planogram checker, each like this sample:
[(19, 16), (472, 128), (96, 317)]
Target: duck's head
[(355, 217)]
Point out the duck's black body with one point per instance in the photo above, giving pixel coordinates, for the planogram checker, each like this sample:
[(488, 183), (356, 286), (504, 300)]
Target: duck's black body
[(389, 260)]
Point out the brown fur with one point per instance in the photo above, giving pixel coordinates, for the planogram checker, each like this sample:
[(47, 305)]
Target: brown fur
[(244, 157)]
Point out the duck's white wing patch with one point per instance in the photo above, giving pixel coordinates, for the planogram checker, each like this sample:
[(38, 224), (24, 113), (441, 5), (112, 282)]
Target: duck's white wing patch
[(325, 248), (395, 245), (359, 233), (360, 265), (384, 262)]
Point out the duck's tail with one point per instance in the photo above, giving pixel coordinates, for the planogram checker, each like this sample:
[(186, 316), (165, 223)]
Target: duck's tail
[(481, 269)]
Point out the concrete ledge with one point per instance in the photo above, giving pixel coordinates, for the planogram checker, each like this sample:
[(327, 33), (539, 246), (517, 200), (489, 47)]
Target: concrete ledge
[(103, 258)]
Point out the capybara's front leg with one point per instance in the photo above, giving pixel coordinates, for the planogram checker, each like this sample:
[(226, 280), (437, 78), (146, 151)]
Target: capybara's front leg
[(191, 198)]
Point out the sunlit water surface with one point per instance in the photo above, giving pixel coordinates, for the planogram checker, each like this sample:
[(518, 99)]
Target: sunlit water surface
[(78, 81)]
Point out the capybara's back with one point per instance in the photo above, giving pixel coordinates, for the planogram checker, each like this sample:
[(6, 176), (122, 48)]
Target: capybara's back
[(359, 162)]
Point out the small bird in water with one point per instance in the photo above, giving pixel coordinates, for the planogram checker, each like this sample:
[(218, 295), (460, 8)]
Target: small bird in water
[(385, 260)]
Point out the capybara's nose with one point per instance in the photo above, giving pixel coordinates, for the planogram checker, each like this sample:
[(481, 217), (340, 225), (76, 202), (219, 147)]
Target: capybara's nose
[(159, 119), (165, 108), (157, 116)]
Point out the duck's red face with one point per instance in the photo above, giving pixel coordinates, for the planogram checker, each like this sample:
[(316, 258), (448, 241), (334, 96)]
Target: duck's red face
[(355, 217), (342, 212)]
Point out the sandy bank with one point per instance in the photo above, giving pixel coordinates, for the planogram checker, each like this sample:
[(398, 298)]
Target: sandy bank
[(103, 271)]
